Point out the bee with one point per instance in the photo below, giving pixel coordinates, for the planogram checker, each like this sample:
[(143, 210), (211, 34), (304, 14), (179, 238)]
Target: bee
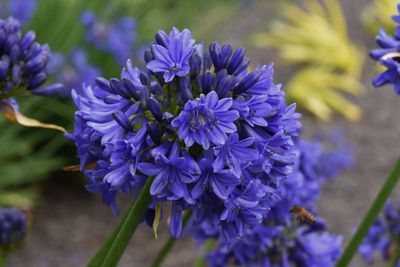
[(302, 214)]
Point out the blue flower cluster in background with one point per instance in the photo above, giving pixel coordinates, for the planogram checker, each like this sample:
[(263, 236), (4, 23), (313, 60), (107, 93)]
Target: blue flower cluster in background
[(73, 70), (281, 240), (116, 37), (13, 227), (383, 237), (216, 137), (22, 61), (23, 10), (388, 55)]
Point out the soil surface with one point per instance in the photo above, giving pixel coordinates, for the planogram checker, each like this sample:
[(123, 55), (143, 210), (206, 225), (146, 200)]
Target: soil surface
[(70, 223)]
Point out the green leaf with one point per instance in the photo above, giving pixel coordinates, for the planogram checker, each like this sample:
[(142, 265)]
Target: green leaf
[(156, 221)]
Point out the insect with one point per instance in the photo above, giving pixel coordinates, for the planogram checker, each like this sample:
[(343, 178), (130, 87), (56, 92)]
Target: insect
[(302, 214)]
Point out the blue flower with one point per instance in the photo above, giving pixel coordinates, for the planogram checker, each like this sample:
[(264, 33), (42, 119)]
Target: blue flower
[(172, 175), (124, 158), (383, 235), (23, 61), (172, 58), (206, 120), (375, 240), (388, 56), (121, 38), (264, 84), (336, 154), (221, 182), (13, 227), (117, 37), (254, 110), (22, 10), (217, 140), (235, 153), (74, 71), (317, 249), (278, 240), (245, 208), (280, 245)]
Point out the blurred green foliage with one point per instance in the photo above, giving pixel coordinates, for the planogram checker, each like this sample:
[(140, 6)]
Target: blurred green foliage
[(28, 155), (315, 40)]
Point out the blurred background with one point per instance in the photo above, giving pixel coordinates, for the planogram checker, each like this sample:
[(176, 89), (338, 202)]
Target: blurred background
[(320, 54)]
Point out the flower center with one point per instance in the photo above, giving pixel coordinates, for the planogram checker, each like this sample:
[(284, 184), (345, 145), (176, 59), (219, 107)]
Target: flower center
[(175, 67), (203, 120)]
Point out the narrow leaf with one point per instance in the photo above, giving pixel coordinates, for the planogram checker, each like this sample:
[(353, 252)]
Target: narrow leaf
[(13, 115), (116, 244), (157, 219)]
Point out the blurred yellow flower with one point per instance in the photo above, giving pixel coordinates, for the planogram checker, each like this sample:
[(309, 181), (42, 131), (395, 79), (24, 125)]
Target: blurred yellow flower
[(316, 39), (378, 15)]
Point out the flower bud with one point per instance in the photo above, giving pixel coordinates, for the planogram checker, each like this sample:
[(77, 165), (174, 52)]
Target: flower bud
[(162, 38), (122, 120), (247, 82), (207, 82), (37, 80), (154, 132), (104, 84), (155, 108), (236, 60), (52, 89)]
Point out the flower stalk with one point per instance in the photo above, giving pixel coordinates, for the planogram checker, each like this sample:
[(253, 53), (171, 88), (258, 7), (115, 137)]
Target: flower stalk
[(371, 216), (117, 245)]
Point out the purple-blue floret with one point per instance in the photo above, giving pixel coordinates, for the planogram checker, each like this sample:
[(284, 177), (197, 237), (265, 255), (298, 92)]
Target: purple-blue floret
[(388, 55), (383, 236)]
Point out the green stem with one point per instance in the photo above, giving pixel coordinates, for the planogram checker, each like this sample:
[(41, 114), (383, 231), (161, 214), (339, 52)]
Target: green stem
[(112, 249), (170, 243), (371, 216), (208, 246), (129, 226), (3, 258)]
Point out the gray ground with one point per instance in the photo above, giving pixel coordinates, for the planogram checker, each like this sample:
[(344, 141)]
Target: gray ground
[(70, 223)]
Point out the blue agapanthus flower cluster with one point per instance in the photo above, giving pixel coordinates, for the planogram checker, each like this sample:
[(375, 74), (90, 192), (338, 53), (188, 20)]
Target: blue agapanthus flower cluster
[(13, 227), (117, 37), (23, 10), (281, 245), (388, 55), (216, 137), (383, 237), (281, 240), (22, 61), (73, 70)]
